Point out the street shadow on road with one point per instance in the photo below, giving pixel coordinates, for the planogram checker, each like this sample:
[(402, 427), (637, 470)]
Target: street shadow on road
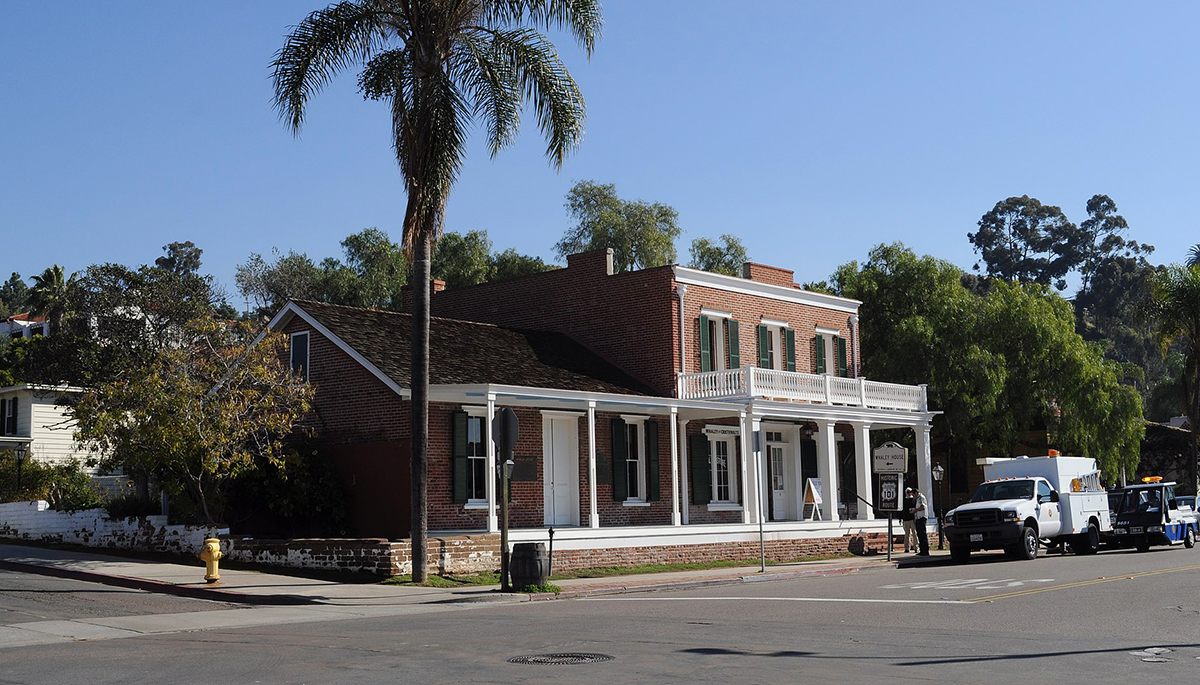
[(983, 658), (723, 651)]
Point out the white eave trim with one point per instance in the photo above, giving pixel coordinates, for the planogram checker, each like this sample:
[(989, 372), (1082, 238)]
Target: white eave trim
[(746, 286), (292, 309), (35, 387)]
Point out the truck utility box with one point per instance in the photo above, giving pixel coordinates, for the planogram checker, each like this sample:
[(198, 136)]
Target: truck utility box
[(1027, 500)]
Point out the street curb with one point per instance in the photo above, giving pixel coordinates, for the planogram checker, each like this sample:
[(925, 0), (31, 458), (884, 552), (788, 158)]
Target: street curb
[(688, 584), (192, 592)]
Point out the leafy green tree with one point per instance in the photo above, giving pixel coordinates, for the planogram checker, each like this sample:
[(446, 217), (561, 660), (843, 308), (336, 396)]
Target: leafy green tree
[(180, 258), (1175, 305), (1025, 241), (203, 412), (463, 260), (641, 234), (724, 258), (511, 264), (13, 295), (440, 66), (998, 365), (267, 286), (380, 267), (49, 296)]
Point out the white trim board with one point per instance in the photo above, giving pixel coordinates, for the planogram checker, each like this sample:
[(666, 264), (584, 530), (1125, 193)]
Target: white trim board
[(775, 292)]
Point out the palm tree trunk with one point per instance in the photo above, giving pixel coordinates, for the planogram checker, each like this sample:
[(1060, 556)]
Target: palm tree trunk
[(420, 405)]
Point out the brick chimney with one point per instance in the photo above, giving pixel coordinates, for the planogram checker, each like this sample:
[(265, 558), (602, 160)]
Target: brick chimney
[(406, 294), (595, 262), (769, 274)]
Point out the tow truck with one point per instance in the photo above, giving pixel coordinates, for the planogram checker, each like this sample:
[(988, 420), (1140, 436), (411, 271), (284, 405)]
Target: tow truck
[(1148, 514)]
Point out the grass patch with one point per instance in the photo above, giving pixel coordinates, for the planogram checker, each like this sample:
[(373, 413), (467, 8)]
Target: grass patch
[(541, 589), (610, 571), (453, 581)]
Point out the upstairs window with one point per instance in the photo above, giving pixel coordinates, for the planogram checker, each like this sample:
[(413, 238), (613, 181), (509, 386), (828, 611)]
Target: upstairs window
[(8, 416), (719, 341), (830, 349), (300, 354), (776, 346)]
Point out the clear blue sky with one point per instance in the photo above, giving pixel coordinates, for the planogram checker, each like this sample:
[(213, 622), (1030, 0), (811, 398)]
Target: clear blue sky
[(812, 131)]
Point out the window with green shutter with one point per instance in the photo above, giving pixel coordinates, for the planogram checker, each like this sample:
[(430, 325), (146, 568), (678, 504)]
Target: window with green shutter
[(459, 472), (704, 335), (620, 472), (764, 347), (652, 484), (789, 347), (841, 357), (735, 354), (820, 350), (698, 466)]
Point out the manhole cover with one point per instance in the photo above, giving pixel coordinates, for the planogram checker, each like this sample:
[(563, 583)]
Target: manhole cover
[(560, 659)]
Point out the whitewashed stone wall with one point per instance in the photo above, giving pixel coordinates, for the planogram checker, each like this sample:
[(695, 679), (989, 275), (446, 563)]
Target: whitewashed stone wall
[(92, 528)]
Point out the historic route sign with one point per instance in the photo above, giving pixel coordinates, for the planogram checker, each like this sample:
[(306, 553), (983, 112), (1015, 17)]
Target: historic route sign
[(891, 485), (890, 458)]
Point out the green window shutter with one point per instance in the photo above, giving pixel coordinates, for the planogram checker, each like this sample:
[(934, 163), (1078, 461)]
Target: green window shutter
[(705, 345), (620, 470), (700, 469), (458, 456), (820, 339), (652, 485), (735, 352), (764, 344), (789, 346), (841, 354), (3, 417)]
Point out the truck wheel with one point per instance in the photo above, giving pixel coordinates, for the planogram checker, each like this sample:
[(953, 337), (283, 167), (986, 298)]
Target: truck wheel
[(960, 554), (1143, 545), (1089, 542), (1189, 538), (1029, 544)]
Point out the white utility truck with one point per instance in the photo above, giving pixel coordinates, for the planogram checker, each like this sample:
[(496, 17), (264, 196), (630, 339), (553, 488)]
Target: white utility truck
[(1025, 500)]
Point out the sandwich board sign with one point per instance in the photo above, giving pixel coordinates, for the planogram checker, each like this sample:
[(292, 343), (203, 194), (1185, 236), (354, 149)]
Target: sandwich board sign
[(812, 498), (890, 458)]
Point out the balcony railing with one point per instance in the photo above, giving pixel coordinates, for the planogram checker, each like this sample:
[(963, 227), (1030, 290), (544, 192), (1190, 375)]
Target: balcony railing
[(791, 386)]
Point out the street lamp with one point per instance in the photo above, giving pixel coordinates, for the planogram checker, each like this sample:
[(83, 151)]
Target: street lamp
[(938, 472), (20, 451)]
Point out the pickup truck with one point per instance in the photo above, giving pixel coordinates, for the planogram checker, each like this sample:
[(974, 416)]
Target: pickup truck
[(1030, 500)]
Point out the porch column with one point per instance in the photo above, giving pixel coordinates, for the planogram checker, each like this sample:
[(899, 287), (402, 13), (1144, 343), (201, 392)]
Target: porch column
[(593, 512), (760, 469), (681, 428), (748, 498), (489, 487), (675, 521), (862, 469), (827, 469), (924, 472)]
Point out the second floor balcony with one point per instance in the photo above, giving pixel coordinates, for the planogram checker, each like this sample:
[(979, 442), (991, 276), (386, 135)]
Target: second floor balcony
[(792, 386)]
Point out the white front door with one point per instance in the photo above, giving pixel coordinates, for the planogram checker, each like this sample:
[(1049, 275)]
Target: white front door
[(778, 489), (561, 473)]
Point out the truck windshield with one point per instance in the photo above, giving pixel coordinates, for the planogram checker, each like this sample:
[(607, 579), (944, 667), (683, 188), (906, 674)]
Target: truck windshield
[(1016, 489), (1140, 501)]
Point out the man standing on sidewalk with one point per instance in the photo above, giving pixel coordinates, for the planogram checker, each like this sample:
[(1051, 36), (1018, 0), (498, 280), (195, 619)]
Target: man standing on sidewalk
[(906, 520), (920, 512)]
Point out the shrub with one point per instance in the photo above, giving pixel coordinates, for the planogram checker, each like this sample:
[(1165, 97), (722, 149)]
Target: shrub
[(65, 486)]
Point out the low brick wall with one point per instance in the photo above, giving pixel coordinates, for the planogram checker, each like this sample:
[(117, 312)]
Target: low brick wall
[(458, 554), (36, 521), (359, 555)]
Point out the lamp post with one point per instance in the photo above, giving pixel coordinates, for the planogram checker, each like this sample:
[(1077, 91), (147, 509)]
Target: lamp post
[(938, 472), (20, 451)]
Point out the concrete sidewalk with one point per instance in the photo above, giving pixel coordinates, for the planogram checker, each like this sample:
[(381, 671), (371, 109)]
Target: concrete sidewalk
[(258, 588)]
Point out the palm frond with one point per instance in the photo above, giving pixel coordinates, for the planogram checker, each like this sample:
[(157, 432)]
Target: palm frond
[(544, 81), (327, 41), (492, 86), (582, 18), (1194, 256)]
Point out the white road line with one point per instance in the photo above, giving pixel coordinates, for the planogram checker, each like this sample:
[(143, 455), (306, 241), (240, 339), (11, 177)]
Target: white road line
[(775, 599)]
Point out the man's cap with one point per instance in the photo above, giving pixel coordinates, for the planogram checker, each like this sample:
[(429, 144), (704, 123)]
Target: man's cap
[(909, 490)]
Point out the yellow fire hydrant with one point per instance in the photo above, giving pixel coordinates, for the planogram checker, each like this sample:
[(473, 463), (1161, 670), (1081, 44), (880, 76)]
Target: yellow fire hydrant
[(210, 556)]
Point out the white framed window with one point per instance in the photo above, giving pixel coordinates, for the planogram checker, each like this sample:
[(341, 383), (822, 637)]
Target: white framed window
[(635, 459), (299, 354), (476, 461), (724, 474), (8, 416), (719, 341)]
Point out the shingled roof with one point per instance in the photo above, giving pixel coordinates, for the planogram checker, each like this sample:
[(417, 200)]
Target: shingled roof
[(468, 353)]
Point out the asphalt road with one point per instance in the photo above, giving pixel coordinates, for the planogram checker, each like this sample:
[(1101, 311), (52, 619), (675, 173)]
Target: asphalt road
[(1068, 619)]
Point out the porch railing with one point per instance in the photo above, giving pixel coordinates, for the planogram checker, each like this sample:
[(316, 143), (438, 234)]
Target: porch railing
[(792, 386)]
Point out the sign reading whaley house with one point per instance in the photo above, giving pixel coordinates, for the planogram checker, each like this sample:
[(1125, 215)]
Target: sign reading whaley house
[(890, 458)]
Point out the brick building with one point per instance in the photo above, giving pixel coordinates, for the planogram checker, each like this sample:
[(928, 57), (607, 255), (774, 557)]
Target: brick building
[(663, 411)]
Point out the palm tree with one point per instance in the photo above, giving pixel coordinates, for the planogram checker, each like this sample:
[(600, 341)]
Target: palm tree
[(1175, 304), (1194, 256), (48, 297), (440, 65)]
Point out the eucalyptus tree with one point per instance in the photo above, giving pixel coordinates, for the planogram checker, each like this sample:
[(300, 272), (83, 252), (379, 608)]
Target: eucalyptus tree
[(1175, 306), (440, 65)]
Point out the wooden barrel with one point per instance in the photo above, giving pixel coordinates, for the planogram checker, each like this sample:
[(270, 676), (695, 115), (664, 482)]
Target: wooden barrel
[(530, 565)]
